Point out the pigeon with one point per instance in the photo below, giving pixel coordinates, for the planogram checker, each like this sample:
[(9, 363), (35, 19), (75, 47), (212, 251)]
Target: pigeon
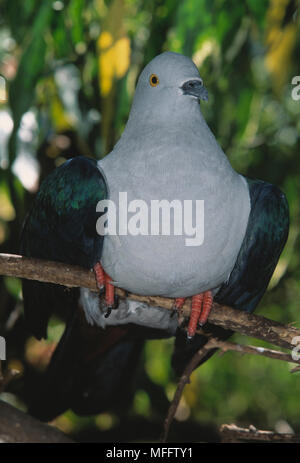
[(163, 214)]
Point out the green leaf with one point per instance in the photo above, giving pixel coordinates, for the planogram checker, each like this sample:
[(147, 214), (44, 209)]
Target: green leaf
[(30, 69), (258, 9), (13, 286), (76, 12), (60, 35)]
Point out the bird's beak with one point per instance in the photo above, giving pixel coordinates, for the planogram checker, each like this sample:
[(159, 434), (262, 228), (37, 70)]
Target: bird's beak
[(195, 88)]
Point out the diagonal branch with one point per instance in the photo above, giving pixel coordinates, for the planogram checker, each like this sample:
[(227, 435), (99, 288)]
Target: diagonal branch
[(224, 346), (183, 381)]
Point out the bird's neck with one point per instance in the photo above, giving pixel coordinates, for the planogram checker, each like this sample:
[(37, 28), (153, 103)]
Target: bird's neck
[(183, 125)]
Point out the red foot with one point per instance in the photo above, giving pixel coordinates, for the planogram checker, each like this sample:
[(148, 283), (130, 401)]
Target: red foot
[(195, 314), (100, 275), (178, 303), (201, 307), (109, 292), (206, 308), (104, 281)]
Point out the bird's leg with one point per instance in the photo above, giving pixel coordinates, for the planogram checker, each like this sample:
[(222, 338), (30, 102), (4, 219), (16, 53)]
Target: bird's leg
[(178, 304), (206, 307), (104, 284), (177, 308), (201, 306), (195, 314), (100, 276), (109, 295), (179, 301)]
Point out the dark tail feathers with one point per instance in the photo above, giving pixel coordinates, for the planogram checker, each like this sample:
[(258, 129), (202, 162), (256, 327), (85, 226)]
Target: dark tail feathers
[(91, 371)]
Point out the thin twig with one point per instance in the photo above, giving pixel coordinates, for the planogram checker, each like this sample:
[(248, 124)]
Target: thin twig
[(256, 350), (225, 346), (232, 433), (184, 379)]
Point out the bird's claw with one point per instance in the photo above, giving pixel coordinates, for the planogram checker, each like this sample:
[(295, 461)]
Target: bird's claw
[(201, 307), (177, 308), (108, 311), (101, 290), (105, 286), (174, 311), (110, 307)]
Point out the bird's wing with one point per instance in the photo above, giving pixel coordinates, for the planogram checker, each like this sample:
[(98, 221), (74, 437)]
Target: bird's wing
[(265, 237), (61, 226), (91, 368)]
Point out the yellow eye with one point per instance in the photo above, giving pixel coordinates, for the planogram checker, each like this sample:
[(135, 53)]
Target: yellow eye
[(154, 80)]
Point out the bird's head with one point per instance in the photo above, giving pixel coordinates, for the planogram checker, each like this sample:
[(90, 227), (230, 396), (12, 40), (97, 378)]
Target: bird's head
[(169, 83)]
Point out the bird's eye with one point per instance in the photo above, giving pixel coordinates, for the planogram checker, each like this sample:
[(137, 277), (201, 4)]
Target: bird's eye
[(154, 81)]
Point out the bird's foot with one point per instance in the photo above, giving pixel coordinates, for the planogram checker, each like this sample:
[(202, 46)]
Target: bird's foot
[(111, 299), (104, 283), (100, 277), (201, 307), (177, 309), (177, 306)]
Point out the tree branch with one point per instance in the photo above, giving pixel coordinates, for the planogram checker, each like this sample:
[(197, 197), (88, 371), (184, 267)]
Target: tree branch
[(16, 426), (223, 316), (184, 379), (74, 276), (232, 433), (212, 344), (246, 349)]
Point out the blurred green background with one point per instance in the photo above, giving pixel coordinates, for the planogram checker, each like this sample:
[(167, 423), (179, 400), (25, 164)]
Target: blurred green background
[(67, 76)]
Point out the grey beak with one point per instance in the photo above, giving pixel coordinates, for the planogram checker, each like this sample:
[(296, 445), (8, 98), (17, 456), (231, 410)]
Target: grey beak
[(195, 88)]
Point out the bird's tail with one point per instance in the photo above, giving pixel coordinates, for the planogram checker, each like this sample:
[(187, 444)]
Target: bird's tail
[(91, 371)]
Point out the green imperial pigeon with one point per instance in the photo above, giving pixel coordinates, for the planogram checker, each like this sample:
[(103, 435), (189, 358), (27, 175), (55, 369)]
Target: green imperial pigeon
[(163, 214)]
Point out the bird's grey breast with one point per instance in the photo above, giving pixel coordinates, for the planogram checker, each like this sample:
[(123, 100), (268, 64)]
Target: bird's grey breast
[(166, 264)]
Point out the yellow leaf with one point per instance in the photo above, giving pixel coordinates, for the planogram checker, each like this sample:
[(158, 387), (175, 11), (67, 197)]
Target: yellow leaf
[(122, 56), (7, 211), (113, 48), (62, 121), (105, 40), (280, 40)]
